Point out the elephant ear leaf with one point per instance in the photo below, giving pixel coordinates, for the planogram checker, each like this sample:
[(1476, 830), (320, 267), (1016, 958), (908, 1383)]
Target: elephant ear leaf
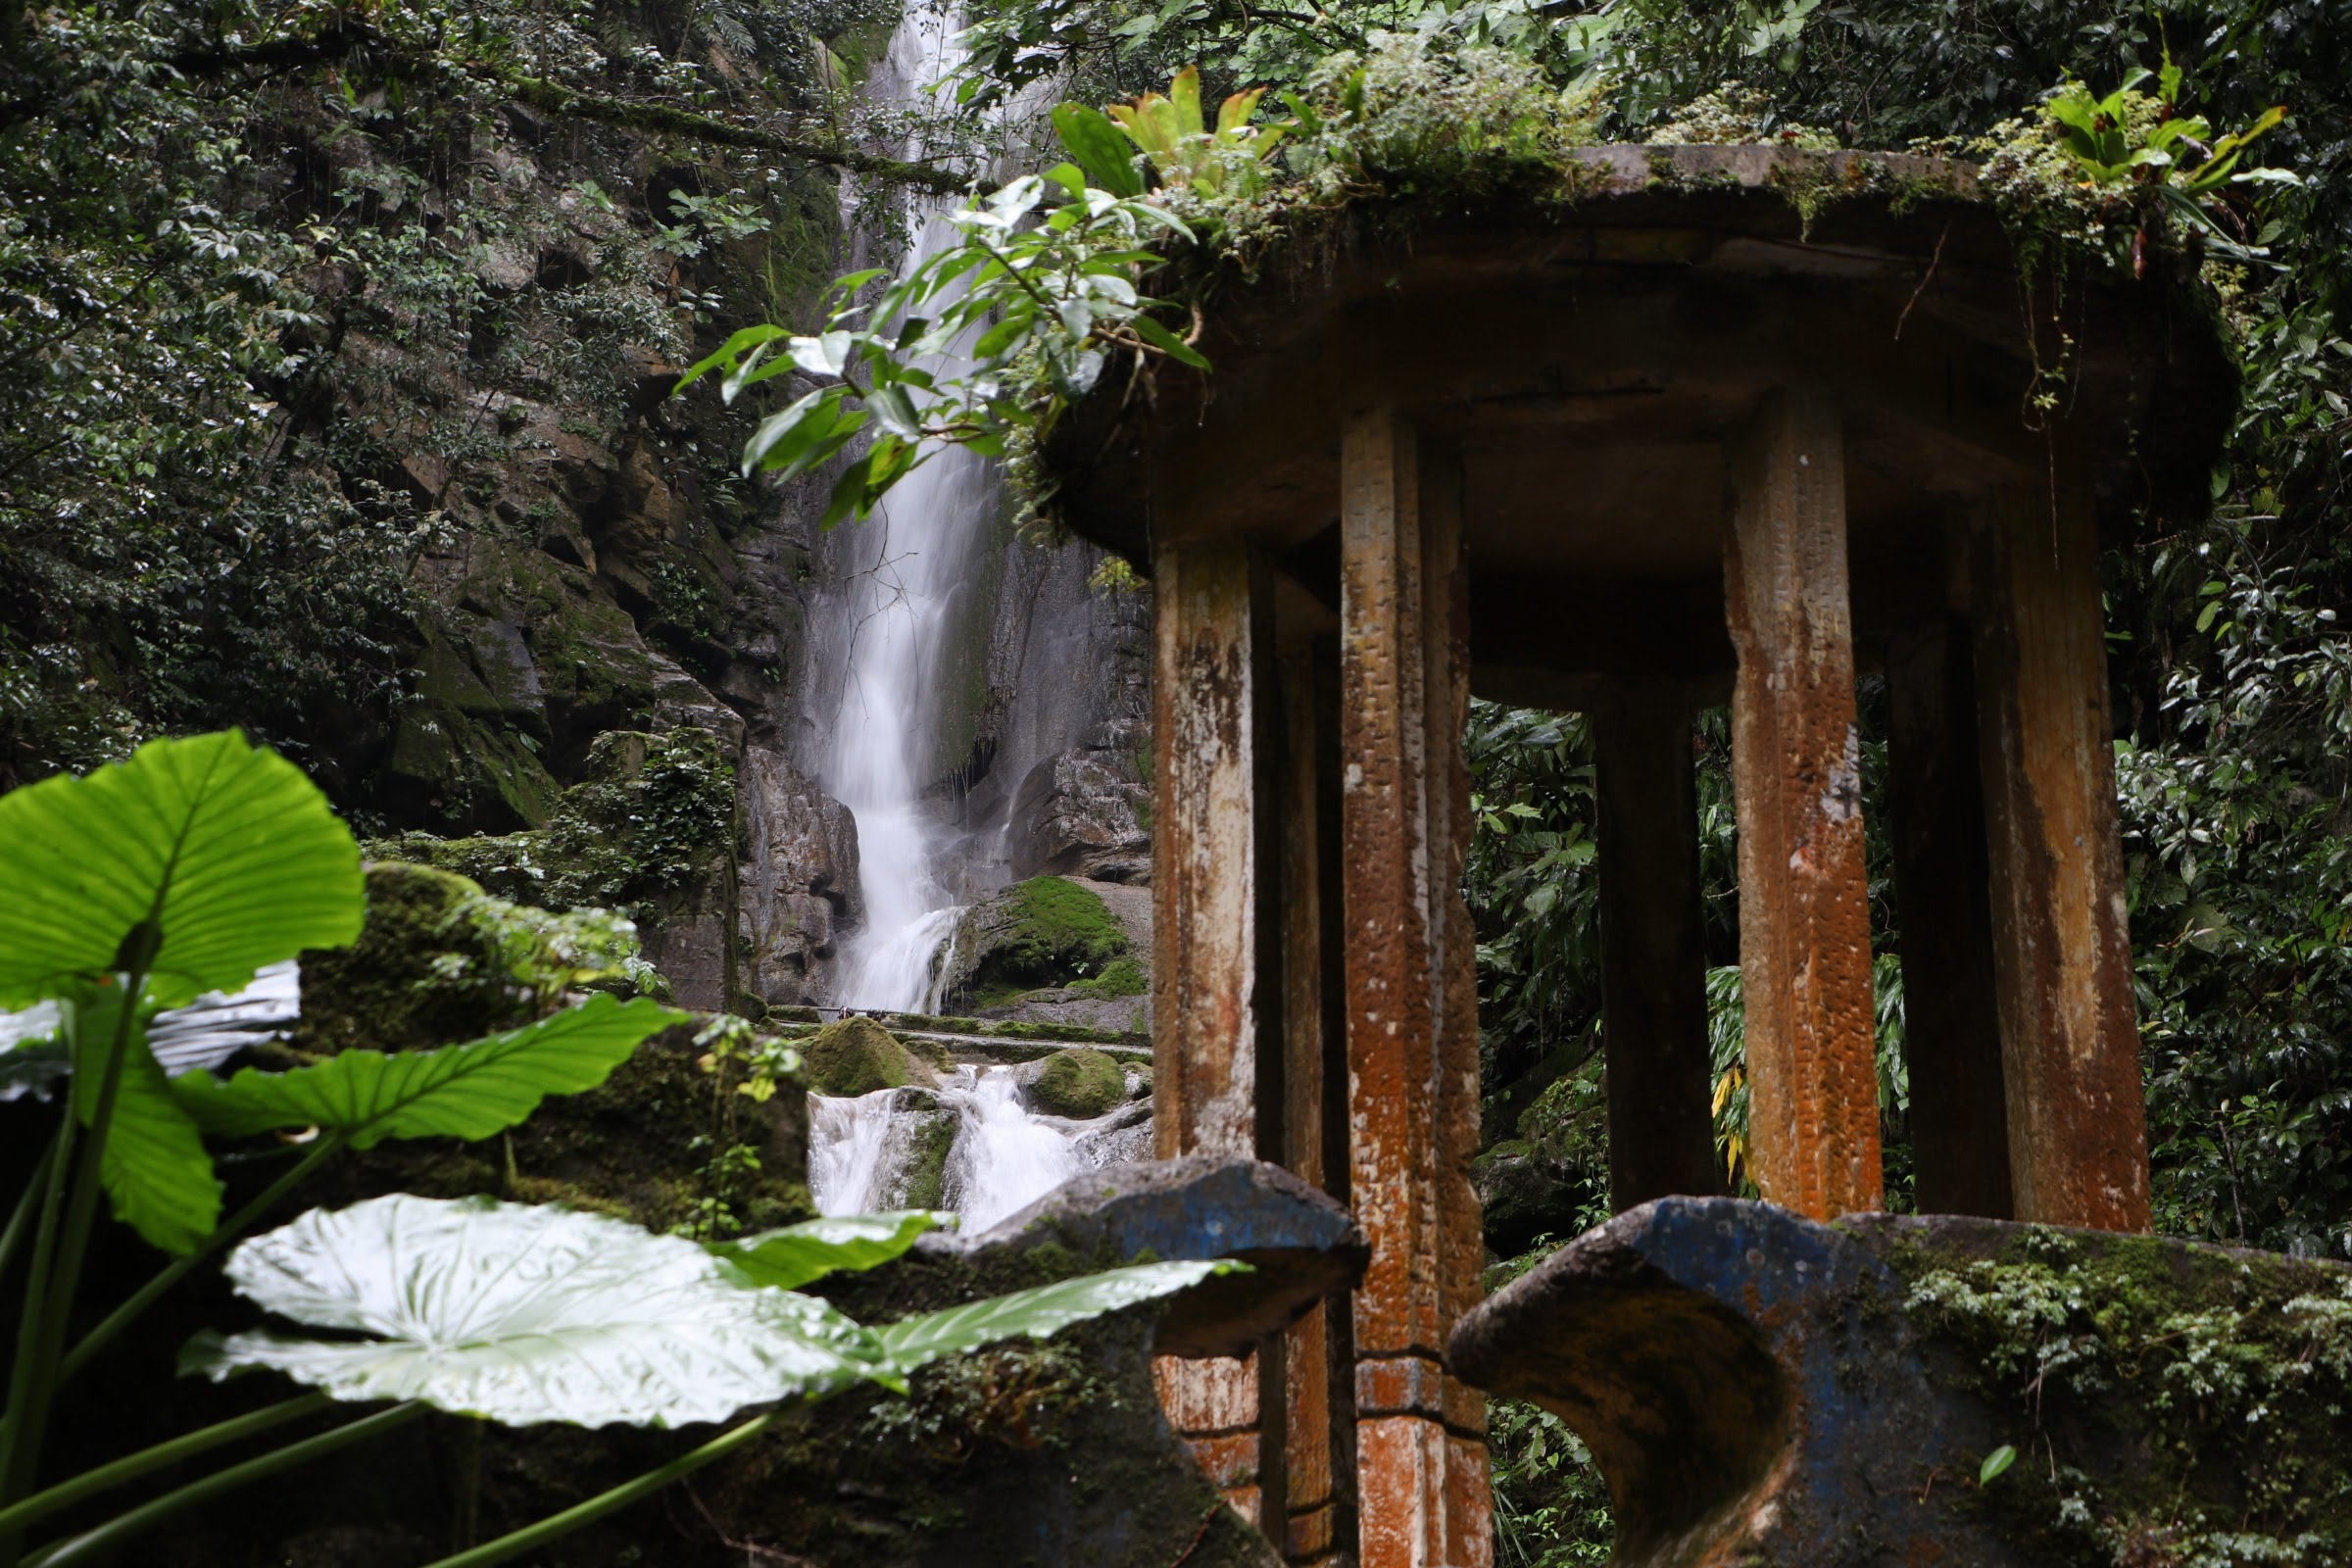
[(469, 1091), (232, 854), (525, 1315), (155, 1172), (790, 1257), (1039, 1313)]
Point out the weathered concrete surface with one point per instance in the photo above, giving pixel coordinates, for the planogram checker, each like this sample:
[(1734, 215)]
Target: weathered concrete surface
[(1652, 946), (1763, 1390), (1208, 994), (1804, 910), (1298, 1244), (1215, 986), (1319, 1413), (2070, 1036), (1411, 1020)]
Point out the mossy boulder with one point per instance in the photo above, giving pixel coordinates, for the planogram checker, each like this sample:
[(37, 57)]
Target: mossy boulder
[(857, 1055), (430, 967), (440, 960), (1046, 932), (930, 1141), (1078, 1083)]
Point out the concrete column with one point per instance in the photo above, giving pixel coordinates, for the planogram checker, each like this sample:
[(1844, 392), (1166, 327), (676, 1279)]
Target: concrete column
[(2062, 947), (1320, 1390), (1215, 996), (1411, 1023), (1653, 958), (1959, 1128), (1804, 917)]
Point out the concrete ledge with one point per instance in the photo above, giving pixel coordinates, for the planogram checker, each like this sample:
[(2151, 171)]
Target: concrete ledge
[(1764, 1390)]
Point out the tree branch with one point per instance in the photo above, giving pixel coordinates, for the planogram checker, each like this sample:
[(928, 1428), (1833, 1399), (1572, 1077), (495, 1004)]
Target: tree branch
[(640, 115), (347, 39)]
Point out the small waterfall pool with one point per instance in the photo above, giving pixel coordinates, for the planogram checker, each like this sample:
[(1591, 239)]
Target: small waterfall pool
[(973, 1139)]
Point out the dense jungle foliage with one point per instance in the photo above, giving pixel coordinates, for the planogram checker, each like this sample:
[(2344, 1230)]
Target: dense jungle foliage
[(204, 516)]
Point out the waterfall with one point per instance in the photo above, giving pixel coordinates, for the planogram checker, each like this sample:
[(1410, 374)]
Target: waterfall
[(910, 575), (865, 1153)]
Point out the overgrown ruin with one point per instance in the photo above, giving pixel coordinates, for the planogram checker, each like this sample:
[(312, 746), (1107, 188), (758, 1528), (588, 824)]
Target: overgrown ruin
[(1720, 424)]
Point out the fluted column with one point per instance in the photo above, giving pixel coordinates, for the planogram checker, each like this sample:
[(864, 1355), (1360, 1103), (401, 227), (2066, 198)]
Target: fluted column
[(1804, 913)]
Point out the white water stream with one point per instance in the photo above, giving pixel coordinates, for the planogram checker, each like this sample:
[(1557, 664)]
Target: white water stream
[(863, 1152), (912, 569), (911, 575)]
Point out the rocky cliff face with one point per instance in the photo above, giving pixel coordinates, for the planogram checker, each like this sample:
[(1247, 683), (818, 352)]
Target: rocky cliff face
[(400, 485)]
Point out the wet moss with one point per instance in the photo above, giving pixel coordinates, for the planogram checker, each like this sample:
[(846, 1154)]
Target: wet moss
[(855, 1056), (1121, 977), (932, 1140), (1079, 1083), (2179, 1407), (654, 817), (434, 964)]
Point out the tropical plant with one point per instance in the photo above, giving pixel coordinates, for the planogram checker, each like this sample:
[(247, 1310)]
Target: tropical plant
[(1229, 158), (980, 344), (181, 871)]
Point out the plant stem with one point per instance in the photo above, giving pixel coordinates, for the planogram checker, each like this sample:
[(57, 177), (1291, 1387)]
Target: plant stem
[(174, 1272), (94, 1543), (557, 1526), (56, 1278), (132, 1466), (28, 1204), (24, 1378)]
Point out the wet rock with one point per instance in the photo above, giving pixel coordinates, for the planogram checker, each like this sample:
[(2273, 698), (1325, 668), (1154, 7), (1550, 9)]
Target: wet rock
[(855, 1055), (1077, 813), (1036, 935), (798, 879), (1763, 1389), (1078, 1083)]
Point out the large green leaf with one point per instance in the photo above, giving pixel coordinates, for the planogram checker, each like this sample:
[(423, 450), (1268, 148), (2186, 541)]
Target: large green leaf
[(155, 1168), (525, 1315), (229, 849), (790, 1257), (1037, 1313), (1106, 156), (468, 1091)]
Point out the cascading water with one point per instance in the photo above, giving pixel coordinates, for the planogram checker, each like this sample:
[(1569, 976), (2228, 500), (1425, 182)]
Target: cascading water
[(910, 575), (864, 1153)]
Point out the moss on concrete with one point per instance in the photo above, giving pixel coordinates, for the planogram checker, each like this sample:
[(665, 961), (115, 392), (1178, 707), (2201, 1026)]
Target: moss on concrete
[(2172, 1407), (1079, 1083)]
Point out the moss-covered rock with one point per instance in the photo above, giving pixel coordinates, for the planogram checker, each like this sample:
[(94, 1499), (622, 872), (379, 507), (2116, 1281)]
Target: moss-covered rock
[(857, 1055), (1121, 977), (1078, 1083), (1551, 1180), (441, 960), (930, 1141), (1047, 931)]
